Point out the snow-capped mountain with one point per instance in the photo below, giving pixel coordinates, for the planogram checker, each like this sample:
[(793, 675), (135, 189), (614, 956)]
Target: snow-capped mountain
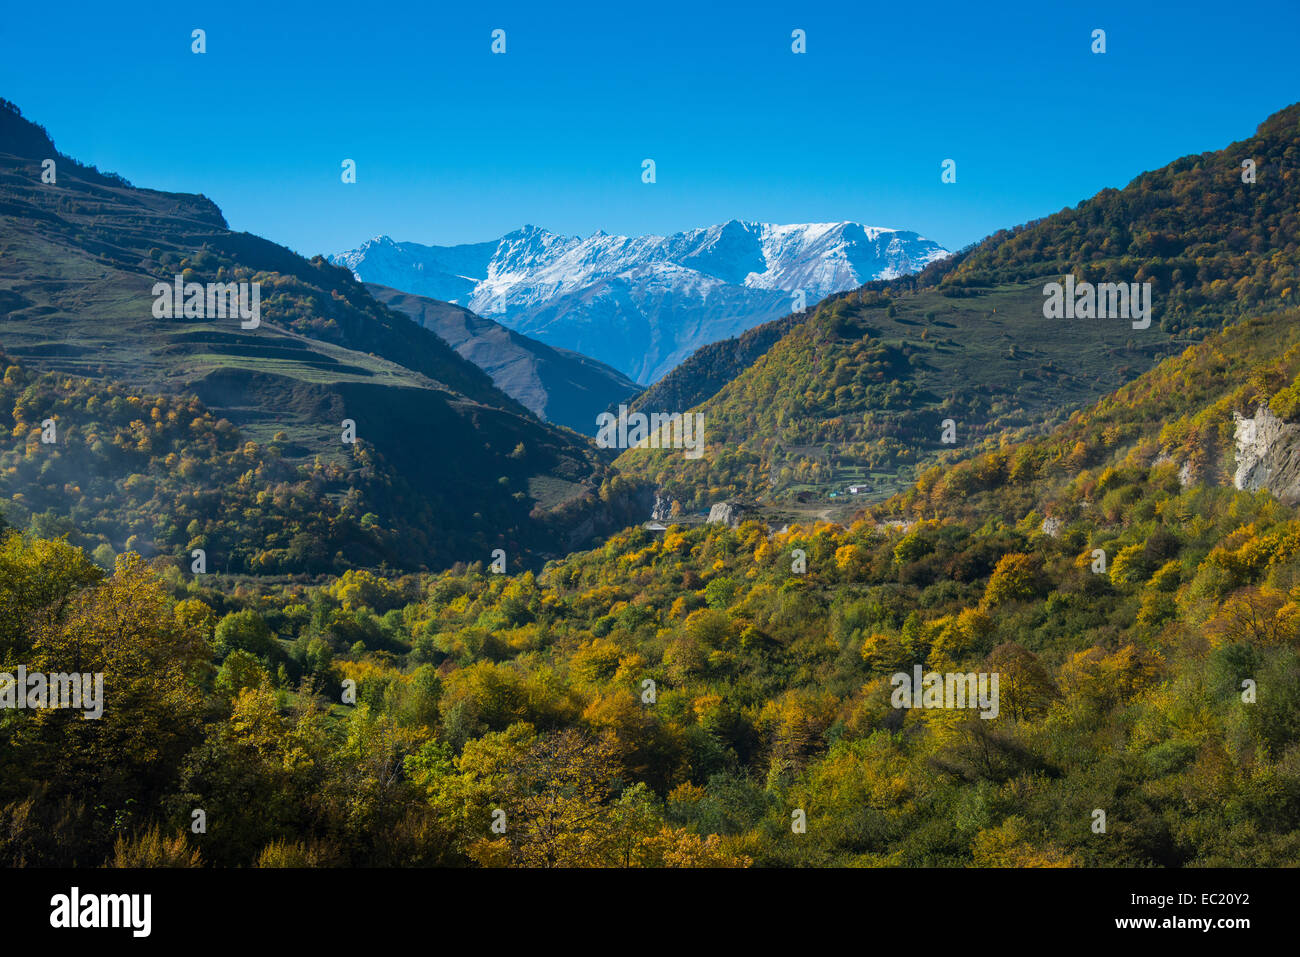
[(642, 304)]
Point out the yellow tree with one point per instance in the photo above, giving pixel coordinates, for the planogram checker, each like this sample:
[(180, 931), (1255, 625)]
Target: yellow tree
[(125, 630), (555, 793), (1011, 844)]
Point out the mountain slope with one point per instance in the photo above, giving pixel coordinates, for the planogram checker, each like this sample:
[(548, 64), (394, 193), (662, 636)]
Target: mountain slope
[(711, 367), (1195, 419), (609, 296), (446, 466), (555, 384), (1215, 247), (859, 391)]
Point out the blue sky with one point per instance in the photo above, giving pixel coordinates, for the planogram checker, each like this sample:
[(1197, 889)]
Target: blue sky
[(455, 144)]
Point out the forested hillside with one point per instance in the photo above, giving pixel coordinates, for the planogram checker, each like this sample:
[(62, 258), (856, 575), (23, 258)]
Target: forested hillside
[(1215, 245), (711, 367)]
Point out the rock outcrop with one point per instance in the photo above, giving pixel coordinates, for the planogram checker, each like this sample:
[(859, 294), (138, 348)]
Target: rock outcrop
[(1268, 455), (726, 513), (663, 508)]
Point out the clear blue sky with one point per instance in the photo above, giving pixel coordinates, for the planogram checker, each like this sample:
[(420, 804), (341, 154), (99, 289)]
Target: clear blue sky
[(454, 144)]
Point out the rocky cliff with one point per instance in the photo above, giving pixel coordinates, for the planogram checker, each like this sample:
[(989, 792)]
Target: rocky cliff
[(1268, 455)]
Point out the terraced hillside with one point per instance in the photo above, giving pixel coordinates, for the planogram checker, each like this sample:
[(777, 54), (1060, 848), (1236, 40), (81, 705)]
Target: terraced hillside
[(458, 460)]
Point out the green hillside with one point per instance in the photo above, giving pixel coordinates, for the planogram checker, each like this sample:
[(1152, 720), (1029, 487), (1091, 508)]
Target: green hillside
[(1176, 423), (860, 390), (1215, 247), (711, 367)]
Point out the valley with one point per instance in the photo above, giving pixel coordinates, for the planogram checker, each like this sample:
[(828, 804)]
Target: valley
[(483, 636)]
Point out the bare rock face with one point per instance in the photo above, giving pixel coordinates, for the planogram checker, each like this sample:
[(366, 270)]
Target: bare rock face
[(726, 513), (1268, 455), (663, 508), (1052, 527)]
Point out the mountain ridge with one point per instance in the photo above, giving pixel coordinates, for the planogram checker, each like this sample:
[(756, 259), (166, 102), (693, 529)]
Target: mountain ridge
[(557, 385), (675, 292)]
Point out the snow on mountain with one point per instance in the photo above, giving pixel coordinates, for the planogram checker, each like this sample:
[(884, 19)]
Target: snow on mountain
[(642, 304)]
